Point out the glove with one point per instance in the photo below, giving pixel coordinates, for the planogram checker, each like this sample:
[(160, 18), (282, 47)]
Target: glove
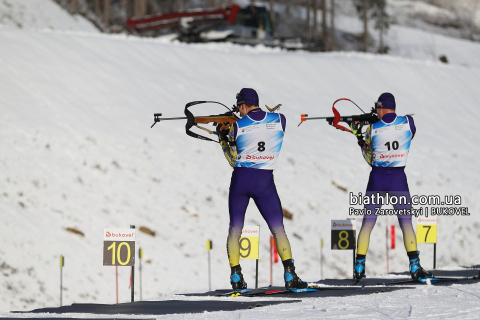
[(222, 134), (361, 142), (356, 130)]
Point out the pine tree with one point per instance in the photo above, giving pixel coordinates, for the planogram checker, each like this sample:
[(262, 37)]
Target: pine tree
[(381, 18), (376, 10)]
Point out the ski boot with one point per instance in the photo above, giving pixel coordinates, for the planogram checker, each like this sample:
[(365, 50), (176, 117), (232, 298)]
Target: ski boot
[(359, 269), (236, 279), (416, 270), (292, 281)]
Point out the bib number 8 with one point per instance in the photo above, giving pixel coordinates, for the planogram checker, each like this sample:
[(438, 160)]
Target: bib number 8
[(261, 146)]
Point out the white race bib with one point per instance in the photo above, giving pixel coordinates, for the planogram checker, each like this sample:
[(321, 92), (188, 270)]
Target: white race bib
[(259, 142), (391, 142)]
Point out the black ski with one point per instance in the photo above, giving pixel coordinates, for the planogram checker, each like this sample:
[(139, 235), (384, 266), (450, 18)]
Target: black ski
[(431, 280), (236, 293), (357, 281), (312, 288)]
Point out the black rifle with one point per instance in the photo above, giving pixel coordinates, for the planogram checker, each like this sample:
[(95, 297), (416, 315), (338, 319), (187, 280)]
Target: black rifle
[(358, 121)]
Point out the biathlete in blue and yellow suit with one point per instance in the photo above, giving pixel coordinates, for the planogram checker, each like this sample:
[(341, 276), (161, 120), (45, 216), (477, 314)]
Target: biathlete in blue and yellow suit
[(385, 149), (252, 146)]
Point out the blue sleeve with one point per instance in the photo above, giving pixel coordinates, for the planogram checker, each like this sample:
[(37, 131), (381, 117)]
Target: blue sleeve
[(412, 125), (284, 121), (235, 130)]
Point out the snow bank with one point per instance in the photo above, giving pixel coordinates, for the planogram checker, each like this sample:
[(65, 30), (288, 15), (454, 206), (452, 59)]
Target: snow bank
[(41, 14)]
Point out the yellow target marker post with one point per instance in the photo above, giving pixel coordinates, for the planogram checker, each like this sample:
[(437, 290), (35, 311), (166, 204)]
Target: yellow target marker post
[(321, 259), (62, 264), (140, 256), (209, 246), (249, 246), (427, 233)]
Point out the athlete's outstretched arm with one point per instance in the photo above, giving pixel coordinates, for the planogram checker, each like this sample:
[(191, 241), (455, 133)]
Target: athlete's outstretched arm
[(367, 150), (413, 129), (229, 147)]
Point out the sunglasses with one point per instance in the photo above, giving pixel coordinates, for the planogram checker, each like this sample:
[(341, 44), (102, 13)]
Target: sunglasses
[(378, 104)]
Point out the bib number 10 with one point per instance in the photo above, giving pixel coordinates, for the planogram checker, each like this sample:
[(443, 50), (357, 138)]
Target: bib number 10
[(395, 145)]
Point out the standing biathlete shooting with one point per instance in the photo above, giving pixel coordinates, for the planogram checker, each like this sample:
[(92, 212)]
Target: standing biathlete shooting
[(385, 148), (252, 146)]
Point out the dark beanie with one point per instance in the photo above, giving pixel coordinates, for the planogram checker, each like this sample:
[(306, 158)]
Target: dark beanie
[(247, 96), (386, 101)]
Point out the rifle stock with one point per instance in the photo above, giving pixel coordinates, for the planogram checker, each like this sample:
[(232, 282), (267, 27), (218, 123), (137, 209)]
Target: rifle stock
[(224, 121)]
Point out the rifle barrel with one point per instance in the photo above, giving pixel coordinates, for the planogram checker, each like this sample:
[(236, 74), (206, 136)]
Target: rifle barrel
[(316, 118), (177, 118)]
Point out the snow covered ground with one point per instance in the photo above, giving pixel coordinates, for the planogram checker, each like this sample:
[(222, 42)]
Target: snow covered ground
[(456, 301), (41, 14), (77, 151)]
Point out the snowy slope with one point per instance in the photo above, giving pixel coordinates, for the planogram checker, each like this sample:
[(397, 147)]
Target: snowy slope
[(41, 14), (406, 39), (77, 151)]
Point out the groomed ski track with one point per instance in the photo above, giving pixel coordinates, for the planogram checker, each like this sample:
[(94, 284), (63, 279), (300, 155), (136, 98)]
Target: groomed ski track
[(389, 301)]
